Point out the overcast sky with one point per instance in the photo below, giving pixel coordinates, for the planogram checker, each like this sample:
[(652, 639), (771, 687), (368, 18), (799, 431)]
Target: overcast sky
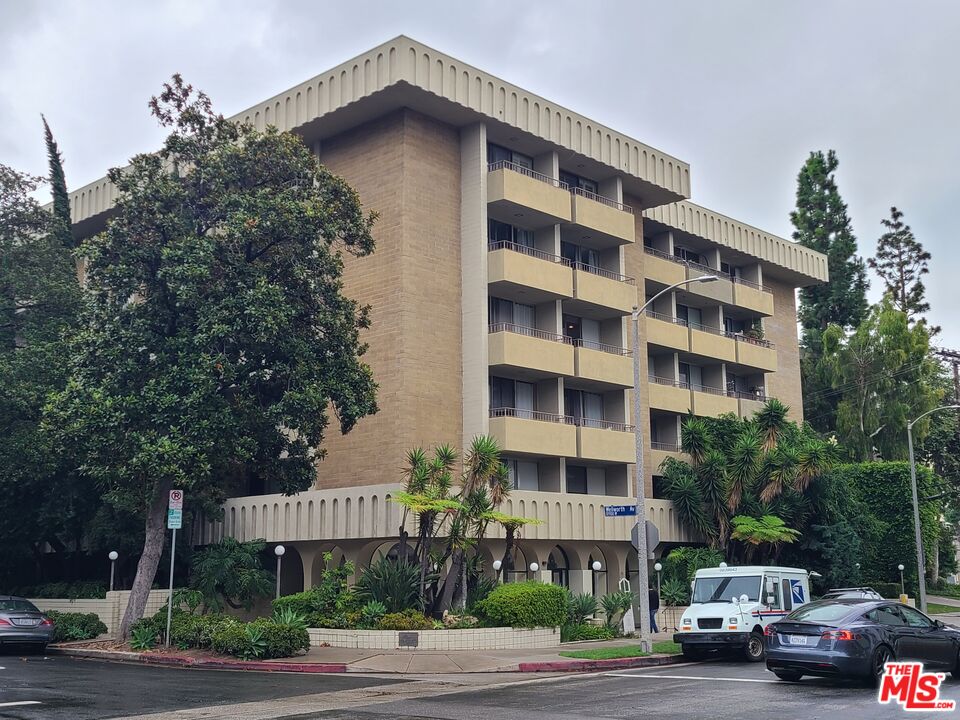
[(740, 89)]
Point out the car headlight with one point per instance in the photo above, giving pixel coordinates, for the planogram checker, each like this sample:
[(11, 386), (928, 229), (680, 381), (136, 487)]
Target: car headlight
[(685, 621), (732, 621)]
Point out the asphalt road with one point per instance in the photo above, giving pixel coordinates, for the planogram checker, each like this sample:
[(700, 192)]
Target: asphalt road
[(81, 690)]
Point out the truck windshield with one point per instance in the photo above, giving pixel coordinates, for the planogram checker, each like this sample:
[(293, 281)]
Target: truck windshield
[(721, 589)]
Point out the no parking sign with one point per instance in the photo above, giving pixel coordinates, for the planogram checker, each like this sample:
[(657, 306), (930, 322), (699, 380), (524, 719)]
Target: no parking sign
[(175, 510)]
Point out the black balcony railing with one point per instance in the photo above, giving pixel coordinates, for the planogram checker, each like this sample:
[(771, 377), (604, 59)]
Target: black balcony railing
[(602, 347), (710, 329), (507, 165), (666, 318), (670, 382), (525, 250), (602, 424), (739, 337), (665, 447), (601, 199), (531, 415), (752, 284), (529, 332), (603, 272)]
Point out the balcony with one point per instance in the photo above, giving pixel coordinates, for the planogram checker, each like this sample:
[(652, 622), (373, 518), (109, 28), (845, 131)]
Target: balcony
[(527, 275), (660, 451), (666, 331), (532, 432), (604, 289), (612, 222), (749, 402), (752, 296), (515, 190), (711, 402), (529, 349), (669, 394), (603, 364), (712, 342), (756, 353), (662, 267), (606, 441)]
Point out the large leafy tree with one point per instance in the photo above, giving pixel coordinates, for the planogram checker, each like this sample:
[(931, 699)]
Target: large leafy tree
[(882, 376), (746, 468), (821, 222), (216, 335), (43, 502), (901, 262)]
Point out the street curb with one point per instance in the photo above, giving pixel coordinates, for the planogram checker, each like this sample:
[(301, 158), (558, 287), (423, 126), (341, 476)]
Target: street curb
[(200, 663), (594, 665)]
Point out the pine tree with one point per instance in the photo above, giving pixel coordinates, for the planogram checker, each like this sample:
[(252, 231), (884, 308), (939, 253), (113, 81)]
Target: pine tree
[(822, 224), (62, 227), (900, 262)]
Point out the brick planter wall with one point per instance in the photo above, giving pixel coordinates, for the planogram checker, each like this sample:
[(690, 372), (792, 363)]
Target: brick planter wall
[(475, 639)]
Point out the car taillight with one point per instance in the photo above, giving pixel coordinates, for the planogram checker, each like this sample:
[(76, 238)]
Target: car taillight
[(5, 622), (838, 635), (46, 621), (769, 631)]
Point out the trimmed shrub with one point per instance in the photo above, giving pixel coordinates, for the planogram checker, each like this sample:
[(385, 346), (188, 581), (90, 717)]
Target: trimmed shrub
[(230, 638), (888, 590), (195, 631), (75, 626), (526, 604), (259, 639), (70, 591), (282, 640), (574, 633), (407, 620), (302, 603)]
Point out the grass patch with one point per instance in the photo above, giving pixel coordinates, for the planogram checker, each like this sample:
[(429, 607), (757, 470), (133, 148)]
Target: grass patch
[(623, 651), (938, 609)]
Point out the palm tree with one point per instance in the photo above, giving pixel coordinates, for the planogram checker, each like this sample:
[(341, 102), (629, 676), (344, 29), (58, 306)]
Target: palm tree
[(772, 421)]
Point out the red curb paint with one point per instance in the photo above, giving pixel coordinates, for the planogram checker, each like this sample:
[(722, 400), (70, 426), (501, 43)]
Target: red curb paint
[(591, 665)]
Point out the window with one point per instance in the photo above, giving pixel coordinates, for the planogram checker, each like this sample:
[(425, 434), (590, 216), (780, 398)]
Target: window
[(507, 393), (915, 618), (691, 376), (687, 255), (578, 254), (500, 232), (509, 312), (575, 181), (787, 595), (886, 615), (723, 588), (689, 315), (822, 612), (498, 153), (585, 407), (581, 329), (576, 479), (734, 326), (524, 474), (775, 594)]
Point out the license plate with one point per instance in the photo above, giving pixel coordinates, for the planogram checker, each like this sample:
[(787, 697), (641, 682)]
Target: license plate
[(797, 639), (25, 622)]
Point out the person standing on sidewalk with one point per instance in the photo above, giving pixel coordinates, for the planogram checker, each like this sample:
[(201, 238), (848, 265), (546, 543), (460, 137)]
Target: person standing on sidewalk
[(654, 597)]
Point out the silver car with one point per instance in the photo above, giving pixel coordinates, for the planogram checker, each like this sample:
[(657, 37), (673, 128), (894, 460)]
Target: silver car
[(22, 623)]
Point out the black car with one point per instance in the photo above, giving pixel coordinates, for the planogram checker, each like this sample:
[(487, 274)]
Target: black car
[(855, 638)]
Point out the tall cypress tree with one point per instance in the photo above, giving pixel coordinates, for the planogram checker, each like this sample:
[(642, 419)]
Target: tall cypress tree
[(821, 223), (62, 227), (900, 262)]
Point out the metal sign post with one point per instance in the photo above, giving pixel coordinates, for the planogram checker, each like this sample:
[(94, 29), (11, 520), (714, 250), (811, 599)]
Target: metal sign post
[(174, 522)]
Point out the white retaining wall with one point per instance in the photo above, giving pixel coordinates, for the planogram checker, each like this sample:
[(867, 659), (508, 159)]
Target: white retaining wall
[(109, 609), (471, 639)]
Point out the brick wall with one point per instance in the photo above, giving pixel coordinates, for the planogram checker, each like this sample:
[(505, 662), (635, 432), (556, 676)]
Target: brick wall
[(405, 166)]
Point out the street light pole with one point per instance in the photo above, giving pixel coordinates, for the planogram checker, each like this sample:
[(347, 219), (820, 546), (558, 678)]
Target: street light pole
[(113, 562), (643, 579), (921, 565), (279, 550)]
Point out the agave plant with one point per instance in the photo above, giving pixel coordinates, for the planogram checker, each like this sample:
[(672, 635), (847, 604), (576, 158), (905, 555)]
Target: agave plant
[(580, 607), (393, 583), (290, 618)]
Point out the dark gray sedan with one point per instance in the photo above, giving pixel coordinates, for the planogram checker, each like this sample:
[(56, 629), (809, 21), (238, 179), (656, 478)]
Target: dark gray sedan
[(22, 623), (855, 638)]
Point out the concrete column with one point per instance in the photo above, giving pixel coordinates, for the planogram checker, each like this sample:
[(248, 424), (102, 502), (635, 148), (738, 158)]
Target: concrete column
[(612, 188), (581, 581), (548, 239), (548, 164), (473, 278)]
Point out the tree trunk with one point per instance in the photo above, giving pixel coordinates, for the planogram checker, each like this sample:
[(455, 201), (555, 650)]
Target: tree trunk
[(507, 551), (451, 581), (149, 559)]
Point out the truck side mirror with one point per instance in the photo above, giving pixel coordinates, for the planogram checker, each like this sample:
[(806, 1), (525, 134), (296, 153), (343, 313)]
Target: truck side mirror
[(770, 599), (770, 587)]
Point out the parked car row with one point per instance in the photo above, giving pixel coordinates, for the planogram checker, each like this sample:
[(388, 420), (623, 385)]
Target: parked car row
[(22, 623)]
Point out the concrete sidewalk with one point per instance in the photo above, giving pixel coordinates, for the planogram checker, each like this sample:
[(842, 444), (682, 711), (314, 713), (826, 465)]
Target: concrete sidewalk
[(457, 661), (940, 600)]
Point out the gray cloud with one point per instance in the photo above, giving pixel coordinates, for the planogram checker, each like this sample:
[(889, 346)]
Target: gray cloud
[(741, 89)]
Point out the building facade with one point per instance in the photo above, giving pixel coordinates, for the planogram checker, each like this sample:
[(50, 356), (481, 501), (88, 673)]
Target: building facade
[(514, 239)]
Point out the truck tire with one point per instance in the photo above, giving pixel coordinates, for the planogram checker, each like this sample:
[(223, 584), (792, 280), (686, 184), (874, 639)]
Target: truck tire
[(754, 651)]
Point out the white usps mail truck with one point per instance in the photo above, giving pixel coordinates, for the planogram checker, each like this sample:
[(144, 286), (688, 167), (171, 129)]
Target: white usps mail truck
[(730, 607)]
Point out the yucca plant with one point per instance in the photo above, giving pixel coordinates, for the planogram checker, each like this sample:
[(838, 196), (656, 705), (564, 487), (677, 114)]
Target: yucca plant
[(256, 643), (615, 604), (580, 607), (394, 583), (290, 618), (142, 638)]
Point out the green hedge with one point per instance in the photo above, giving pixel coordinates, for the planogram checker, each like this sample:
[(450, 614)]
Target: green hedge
[(69, 626), (407, 620), (526, 604), (70, 591), (573, 633), (278, 641)]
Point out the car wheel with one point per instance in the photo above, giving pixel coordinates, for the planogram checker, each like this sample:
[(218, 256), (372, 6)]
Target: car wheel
[(754, 649), (881, 656), (788, 675)]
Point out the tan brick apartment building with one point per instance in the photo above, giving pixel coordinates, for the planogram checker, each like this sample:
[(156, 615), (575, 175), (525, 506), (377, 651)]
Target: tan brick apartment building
[(515, 237)]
